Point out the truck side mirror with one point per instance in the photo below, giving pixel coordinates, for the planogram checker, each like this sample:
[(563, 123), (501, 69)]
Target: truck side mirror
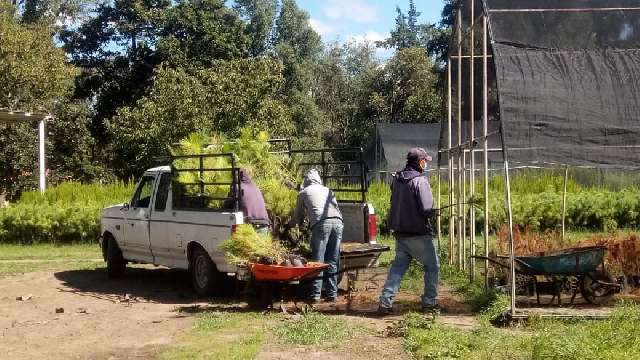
[(124, 207)]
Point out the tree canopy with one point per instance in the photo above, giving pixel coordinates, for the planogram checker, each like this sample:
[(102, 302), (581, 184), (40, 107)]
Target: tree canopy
[(125, 79)]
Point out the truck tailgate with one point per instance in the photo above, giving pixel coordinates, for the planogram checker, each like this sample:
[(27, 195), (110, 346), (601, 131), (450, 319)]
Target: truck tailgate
[(360, 255)]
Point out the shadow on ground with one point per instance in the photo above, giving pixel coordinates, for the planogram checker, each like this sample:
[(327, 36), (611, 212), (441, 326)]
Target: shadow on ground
[(159, 285)]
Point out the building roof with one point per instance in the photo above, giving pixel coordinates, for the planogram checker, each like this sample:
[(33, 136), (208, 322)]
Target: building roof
[(9, 116)]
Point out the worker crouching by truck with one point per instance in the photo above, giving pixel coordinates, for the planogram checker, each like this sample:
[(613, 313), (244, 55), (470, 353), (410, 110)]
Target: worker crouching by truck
[(251, 203), (325, 221), (409, 218)]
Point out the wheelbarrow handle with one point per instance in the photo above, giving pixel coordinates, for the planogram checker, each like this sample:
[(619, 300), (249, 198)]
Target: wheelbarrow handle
[(496, 262)]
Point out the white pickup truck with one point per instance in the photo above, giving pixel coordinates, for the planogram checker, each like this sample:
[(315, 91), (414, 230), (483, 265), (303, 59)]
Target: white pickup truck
[(153, 228)]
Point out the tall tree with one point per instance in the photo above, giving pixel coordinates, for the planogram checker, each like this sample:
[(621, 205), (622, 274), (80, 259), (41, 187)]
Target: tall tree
[(115, 50), (343, 79), (260, 16), (406, 89), (199, 32), (298, 46), (407, 31), (35, 76), (229, 95)]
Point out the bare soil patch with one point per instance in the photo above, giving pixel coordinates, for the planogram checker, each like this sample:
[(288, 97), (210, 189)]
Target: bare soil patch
[(134, 317), (146, 312)]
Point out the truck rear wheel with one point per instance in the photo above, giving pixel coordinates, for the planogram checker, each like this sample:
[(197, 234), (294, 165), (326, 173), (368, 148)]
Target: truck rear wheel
[(116, 264), (204, 274)]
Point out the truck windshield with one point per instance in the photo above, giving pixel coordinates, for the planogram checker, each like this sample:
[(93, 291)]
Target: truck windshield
[(142, 197)]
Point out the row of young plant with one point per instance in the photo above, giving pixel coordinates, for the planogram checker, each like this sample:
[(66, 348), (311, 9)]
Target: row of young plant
[(66, 213), (537, 206), (70, 212)]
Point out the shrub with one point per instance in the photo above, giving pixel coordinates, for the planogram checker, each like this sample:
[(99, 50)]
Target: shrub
[(67, 213)]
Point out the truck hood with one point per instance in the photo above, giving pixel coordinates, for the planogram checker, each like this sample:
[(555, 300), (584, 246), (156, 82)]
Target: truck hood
[(112, 211)]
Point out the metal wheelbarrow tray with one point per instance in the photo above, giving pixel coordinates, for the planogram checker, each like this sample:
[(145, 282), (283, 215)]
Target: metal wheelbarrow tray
[(582, 266)]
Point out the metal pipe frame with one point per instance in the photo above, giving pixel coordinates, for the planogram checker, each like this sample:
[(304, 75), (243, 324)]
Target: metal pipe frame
[(450, 163), (464, 210), (472, 178), (458, 155), (439, 200), (485, 147), (459, 248), (42, 164)]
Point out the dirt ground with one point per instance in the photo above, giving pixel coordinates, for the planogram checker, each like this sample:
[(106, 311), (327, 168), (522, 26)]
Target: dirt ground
[(124, 319), (145, 312)]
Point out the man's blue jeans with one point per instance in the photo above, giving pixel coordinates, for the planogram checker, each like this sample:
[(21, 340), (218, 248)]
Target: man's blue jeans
[(423, 249), (325, 247)]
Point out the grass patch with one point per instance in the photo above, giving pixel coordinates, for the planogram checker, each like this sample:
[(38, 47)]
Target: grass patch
[(615, 338), (50, 252), (217, 335), (20, 259), (314, 329), (16, 268)]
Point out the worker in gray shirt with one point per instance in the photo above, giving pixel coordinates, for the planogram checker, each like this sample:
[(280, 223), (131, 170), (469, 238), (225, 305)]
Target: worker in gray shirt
[(325, 220)]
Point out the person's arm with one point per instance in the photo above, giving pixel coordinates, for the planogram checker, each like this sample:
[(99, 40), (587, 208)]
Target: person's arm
[(425, 197), (298, 213)]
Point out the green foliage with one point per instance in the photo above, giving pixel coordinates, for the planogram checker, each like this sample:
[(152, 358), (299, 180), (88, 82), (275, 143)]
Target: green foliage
[(260, 16), (33, 71), (407, 32), (223, 99), (252, 151), (67, 213), (379, 196), (612, 338), (313, 328), (406, 90), (197, 33), (221, 335), (247, 245), (200, 144)]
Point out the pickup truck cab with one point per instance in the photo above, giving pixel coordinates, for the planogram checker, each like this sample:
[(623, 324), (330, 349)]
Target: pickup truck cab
[(156, 228)]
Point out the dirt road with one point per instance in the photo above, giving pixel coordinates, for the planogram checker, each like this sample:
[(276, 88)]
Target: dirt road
[(146, 312), (125, 319)]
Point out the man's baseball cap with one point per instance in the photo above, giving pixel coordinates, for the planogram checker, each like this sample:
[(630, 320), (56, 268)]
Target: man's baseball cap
[(417, 154)]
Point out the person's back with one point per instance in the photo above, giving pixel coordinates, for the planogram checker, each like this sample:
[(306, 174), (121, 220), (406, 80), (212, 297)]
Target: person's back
[(318, 200), (411, 203), (411, 210), (252, 202), (326, 225)]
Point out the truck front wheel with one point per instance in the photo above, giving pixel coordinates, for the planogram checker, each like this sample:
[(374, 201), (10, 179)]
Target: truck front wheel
[(203, 272), (116, 264)]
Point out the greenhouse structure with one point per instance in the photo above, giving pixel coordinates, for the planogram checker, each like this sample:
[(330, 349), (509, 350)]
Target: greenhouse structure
[(542, 83)]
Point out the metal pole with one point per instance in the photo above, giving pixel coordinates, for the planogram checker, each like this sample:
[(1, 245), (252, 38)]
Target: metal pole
[(459, 210), (564, 200), (472, 175), (512, 265), (41, 157), (439, 223), (450, 162), (464, 209), (485, 150)]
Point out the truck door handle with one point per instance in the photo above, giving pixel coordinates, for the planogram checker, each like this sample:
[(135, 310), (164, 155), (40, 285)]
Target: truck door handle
[(132, 224)]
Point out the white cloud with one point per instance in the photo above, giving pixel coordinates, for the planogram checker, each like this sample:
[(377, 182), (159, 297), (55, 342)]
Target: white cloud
[(355, 10), (322, 28), (370, 37)]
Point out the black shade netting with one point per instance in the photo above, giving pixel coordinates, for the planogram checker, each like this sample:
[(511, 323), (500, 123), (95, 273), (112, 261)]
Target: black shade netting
[(388, 150), (568, 81)]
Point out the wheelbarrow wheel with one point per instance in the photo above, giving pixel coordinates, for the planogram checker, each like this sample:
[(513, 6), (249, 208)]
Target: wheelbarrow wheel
[(596, 293)]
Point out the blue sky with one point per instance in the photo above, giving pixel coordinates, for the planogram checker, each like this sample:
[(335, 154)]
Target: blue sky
[(360, 20)]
